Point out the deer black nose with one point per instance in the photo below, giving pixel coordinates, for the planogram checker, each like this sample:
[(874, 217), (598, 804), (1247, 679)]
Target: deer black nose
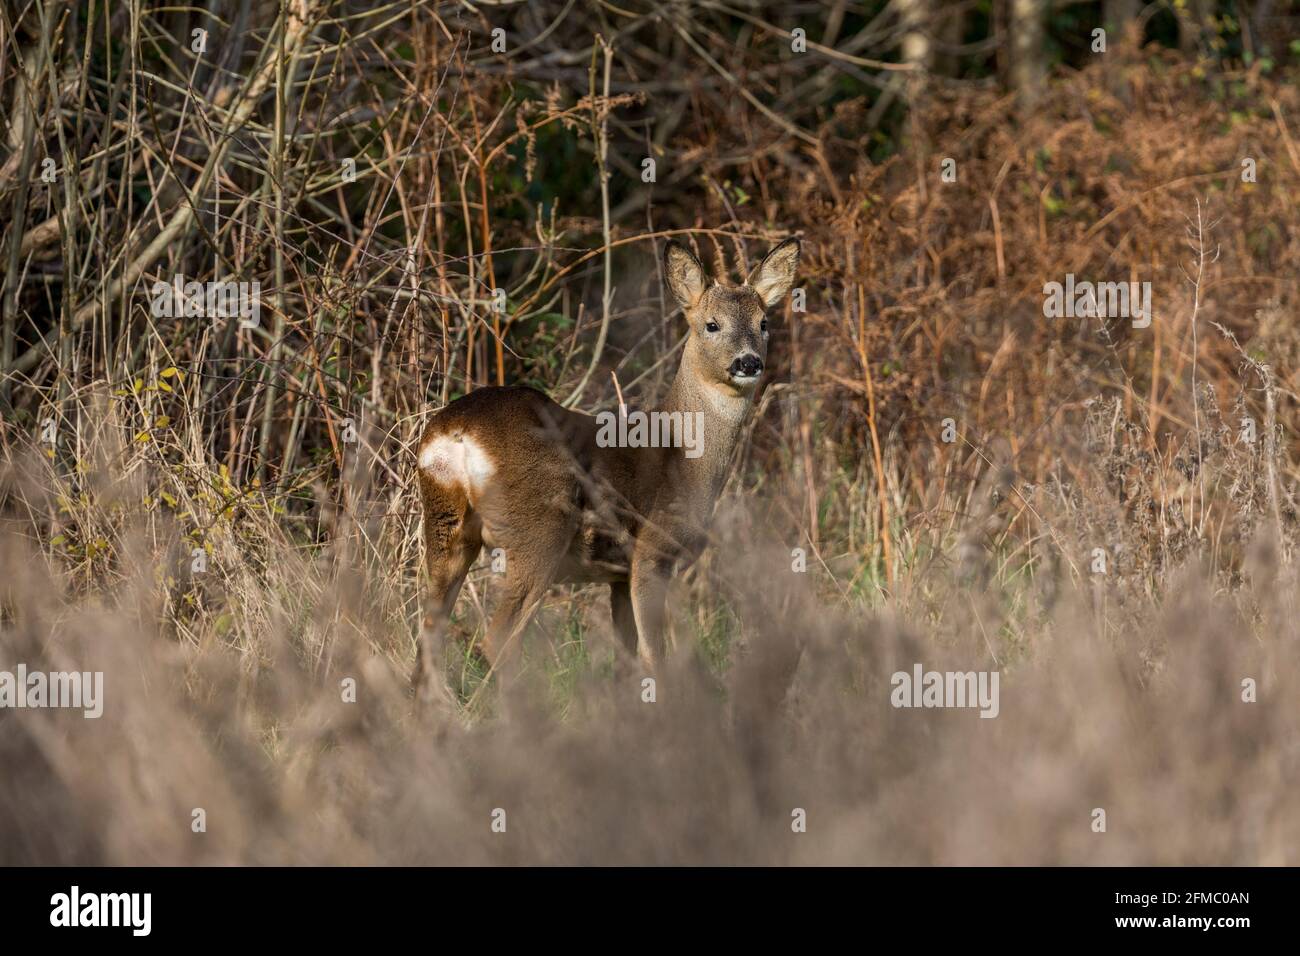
[(747, 365)]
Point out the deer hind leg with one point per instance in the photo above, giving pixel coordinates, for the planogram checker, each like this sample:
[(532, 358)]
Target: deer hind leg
[(531, 567), (452, 541)]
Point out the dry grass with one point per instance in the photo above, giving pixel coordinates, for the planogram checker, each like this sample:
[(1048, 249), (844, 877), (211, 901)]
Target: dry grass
[(1121, 691), (1109, 699)]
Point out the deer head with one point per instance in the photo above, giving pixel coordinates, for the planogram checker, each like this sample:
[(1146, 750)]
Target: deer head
[(727, 344)]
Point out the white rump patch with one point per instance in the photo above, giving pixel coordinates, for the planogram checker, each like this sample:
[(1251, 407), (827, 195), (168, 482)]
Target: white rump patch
[(457, 461)]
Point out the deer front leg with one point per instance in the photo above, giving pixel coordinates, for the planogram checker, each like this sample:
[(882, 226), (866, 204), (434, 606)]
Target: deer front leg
[(649, 591), (620, 606)]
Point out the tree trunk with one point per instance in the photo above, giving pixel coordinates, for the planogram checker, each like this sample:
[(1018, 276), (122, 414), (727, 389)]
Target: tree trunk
[(1119, 18), (1027, 34)]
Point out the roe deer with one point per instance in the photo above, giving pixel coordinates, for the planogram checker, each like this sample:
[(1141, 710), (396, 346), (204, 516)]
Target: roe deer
[(508, 468)]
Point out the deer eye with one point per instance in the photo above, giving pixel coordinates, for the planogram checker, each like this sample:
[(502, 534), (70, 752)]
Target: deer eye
[(710, 326), (763, 325)]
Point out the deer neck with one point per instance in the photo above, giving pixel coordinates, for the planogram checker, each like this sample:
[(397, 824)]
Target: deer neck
[(720, 412)]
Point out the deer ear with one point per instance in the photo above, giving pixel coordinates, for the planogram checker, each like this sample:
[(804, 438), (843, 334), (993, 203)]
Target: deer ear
[(773, 277), (685, 275)]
